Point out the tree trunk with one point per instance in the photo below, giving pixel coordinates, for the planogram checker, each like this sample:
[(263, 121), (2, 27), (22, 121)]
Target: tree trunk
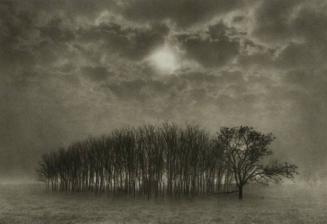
[(240, 192)]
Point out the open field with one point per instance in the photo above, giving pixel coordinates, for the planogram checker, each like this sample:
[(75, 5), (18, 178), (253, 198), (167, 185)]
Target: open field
[(29, 203)]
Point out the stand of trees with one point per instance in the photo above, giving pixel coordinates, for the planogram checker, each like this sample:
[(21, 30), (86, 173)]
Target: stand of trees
[(163, 160)]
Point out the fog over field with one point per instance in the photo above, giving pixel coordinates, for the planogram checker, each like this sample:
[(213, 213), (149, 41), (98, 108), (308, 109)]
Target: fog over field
[(278, 204), (71, 69)]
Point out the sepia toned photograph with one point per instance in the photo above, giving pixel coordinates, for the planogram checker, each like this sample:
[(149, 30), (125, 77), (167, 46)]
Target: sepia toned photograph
[(163, 111)]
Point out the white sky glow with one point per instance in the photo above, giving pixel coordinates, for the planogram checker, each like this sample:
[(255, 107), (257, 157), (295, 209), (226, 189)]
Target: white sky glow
[(164, 59)]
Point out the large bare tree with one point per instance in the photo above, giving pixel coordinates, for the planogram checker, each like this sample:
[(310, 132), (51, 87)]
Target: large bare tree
[(245, 153)]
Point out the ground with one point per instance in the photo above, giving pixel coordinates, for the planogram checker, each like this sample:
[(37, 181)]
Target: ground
[(30, 203)]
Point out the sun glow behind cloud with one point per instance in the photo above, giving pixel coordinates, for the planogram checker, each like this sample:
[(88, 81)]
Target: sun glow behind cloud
[(165, 59)]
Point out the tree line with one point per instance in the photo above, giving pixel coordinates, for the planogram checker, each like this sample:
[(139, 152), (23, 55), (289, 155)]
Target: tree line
[(163, 160)]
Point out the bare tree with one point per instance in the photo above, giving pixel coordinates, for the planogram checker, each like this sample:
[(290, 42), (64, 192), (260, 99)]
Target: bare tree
[(245, 150)]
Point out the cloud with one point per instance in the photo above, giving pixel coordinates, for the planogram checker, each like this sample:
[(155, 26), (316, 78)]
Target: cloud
[(272, 19), (56, 31), (128, 42), (213, 48), (301, 55), (310, 22), (294, 25), (14, 28), (97, 74), (294, 30), (181, 12)]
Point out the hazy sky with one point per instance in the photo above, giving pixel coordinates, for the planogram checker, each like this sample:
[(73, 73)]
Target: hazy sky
[(74, 68)]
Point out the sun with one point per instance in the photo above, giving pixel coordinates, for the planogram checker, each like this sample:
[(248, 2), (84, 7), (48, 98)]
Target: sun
[(164, 59)]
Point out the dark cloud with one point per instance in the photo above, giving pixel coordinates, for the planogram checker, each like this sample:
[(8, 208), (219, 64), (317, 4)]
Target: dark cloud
[(15, 27), (72, 10), (288, 20), (255, 55), (97, 74), (182, 12), (309, 51), (56, 31), (296, 27), (297, 55), (272, 19), (128, 42), (213, 48), (310, 22), (261, 59)]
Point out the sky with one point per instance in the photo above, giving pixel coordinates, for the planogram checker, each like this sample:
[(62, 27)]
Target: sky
[(77, 68)]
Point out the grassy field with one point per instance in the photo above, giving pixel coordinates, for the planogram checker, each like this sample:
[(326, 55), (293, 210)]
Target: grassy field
[(29, 203)]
